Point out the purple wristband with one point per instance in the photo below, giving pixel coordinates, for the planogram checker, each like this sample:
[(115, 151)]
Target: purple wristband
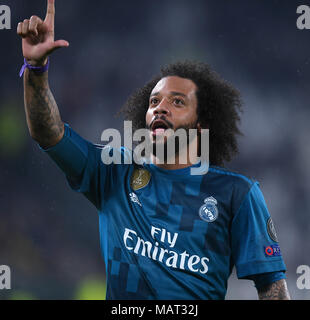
[(35, 69)]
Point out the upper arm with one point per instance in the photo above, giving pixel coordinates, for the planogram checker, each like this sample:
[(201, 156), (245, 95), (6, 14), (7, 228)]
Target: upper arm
[(80, 162), (88, 167), (255, 250)]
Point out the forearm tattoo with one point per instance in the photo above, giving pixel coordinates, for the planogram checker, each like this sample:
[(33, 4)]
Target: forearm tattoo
[(43, 118), (275, 291)]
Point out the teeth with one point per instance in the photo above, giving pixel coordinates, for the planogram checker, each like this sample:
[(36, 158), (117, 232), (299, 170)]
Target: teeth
[(160, 126), (159, 130)]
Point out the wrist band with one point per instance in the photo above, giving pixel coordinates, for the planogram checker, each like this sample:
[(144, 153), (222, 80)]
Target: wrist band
[(33, 68)]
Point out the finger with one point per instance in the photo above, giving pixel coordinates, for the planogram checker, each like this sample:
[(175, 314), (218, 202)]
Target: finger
[(34, 23), (19, 28), (25, 27), (50, 13), (61, 44), (57, 45)]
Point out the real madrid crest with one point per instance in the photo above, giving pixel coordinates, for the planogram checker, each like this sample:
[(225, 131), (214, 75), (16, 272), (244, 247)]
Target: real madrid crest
[(209, 212), (140, 178)]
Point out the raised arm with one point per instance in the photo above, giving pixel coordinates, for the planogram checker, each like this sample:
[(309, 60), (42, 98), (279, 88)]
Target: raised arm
[(43, 117)]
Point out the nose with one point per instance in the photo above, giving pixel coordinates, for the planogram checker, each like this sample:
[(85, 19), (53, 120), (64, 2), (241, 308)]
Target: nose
[(162, 108)]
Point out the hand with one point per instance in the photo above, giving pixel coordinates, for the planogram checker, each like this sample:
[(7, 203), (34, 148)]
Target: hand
[(38, 37)]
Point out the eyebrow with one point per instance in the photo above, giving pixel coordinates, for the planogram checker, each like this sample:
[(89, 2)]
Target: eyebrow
[(173, 93)]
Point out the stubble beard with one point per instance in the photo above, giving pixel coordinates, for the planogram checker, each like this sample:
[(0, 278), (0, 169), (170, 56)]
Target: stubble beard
[(178, 146)]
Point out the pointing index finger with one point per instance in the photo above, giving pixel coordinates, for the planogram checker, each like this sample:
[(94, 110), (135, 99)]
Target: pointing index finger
[(50, 12)]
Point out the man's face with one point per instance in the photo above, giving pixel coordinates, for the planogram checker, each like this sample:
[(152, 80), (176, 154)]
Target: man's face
[(172, 105)]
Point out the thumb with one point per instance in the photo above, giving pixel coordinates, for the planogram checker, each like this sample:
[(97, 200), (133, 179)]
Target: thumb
[(57, 45)]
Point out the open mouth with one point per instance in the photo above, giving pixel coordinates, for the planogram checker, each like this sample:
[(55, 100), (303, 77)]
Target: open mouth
[(159, 127)]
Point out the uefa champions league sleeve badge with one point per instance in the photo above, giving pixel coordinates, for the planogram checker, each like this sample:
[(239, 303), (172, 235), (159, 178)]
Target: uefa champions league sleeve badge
[(208, 211), (271, 230)]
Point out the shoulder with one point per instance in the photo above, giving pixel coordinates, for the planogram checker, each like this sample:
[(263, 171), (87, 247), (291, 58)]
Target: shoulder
[(234, 185), (236, 178), (110, 155)]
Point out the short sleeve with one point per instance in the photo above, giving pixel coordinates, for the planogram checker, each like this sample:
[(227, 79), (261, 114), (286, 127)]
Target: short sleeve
[(80, 162), (255, 247)]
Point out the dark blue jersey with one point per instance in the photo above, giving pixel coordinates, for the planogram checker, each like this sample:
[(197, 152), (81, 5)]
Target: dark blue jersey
[(167, 234)]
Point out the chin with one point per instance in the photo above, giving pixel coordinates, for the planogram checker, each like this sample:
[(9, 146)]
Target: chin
[(163, 145)]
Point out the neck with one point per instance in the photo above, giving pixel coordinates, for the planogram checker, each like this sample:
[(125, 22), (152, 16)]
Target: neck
[(180, 157)]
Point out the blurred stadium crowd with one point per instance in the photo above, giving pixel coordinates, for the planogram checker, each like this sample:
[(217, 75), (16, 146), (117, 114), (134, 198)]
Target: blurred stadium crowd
[(48, 234)]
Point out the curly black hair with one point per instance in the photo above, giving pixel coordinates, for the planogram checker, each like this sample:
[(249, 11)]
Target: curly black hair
[(219, 106)]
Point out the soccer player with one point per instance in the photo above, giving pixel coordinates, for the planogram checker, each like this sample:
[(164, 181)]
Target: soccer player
[(165, 234)]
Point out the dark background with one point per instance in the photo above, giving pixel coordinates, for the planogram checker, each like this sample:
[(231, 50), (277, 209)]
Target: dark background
[(48, 234)]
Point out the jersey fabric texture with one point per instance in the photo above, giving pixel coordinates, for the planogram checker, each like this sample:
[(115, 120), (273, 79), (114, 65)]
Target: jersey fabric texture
[(167, 234)]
